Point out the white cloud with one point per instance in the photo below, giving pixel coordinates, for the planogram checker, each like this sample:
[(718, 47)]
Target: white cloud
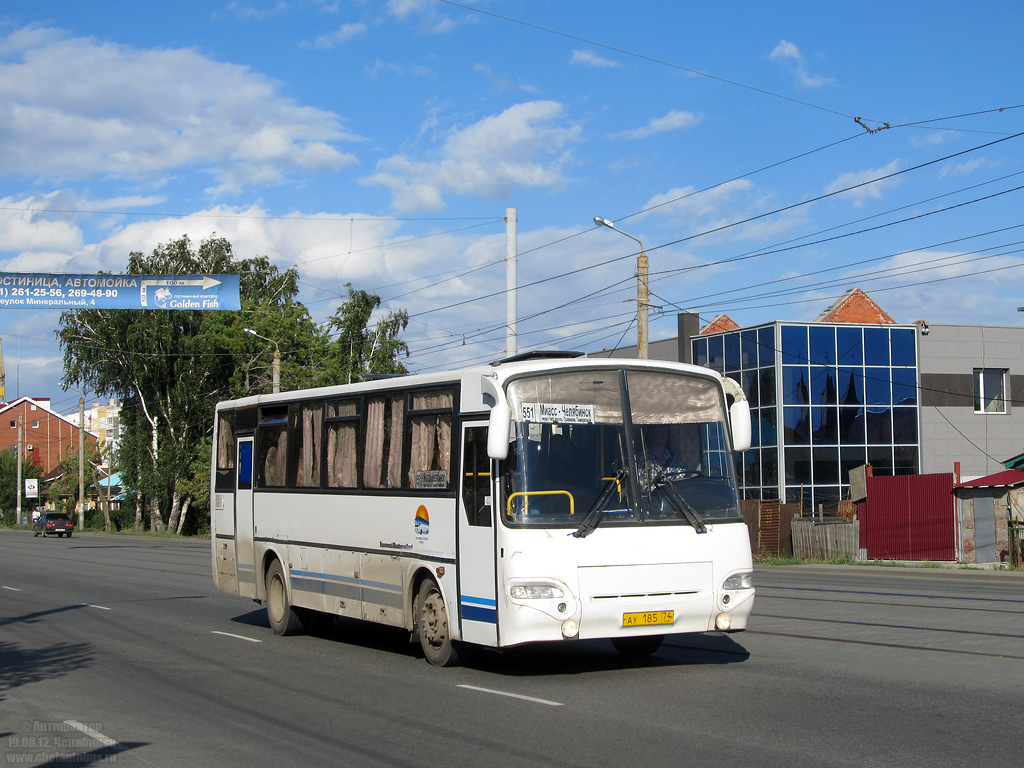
[(524, 146), (865, 190), (591, 59), (966, 169), (788, 53), (78, 107), (389, 67), (340, 36), (674, 120)]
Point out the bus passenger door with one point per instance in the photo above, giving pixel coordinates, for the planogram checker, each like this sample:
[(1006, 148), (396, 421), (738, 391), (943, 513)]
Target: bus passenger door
[(478, 607), (244, 556)]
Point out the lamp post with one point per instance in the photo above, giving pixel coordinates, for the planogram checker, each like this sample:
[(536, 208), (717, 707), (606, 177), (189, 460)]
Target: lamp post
[(277, 358), (642, 295)]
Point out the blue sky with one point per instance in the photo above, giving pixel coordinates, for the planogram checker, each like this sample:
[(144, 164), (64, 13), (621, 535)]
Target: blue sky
[(768, 159)]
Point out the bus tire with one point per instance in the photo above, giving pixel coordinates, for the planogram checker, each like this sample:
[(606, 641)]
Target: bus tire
[(283, 618), (432, 626), (637, 647)]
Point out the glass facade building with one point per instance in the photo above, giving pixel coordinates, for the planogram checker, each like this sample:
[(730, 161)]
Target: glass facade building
[(824, 398)]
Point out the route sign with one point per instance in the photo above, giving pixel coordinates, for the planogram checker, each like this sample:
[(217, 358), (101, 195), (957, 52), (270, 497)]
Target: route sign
[(27, 290)]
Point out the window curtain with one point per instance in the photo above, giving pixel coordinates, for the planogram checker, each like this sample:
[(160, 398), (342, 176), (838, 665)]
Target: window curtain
[(373, 456)]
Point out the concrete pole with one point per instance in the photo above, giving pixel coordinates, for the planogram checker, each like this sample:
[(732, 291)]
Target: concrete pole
[(277, 369), (511, 263), (642, 304), (81, 463), (17, 512)]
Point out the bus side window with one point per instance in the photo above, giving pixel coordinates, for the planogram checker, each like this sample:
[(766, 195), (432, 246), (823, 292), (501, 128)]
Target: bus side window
[(476, 480)]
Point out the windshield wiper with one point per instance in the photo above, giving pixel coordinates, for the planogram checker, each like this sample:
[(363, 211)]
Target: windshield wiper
[(678, 503), (600, 506)]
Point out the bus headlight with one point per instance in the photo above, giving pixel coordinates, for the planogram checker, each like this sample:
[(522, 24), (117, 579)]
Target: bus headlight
[(739, 581), (534, 592), (570, 629)]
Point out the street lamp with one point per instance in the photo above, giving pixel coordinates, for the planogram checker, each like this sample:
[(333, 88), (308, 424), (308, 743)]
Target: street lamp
[(277, 358), (642, 296)]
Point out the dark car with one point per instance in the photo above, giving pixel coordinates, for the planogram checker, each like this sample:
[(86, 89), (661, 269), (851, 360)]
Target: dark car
[(53, 522)]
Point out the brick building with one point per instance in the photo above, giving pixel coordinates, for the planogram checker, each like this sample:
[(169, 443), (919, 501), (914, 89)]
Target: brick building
[(46, 437)]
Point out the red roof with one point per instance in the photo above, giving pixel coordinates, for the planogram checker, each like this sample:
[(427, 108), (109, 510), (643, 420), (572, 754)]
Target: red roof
[(1008, 477), (855, 306)]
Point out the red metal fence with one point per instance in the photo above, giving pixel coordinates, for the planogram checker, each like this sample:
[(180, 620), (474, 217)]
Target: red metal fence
[(909, 517)]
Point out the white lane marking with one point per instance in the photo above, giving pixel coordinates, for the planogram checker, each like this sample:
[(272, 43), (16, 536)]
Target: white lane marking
[(106, 741), (239, 637), (513, 695), (13, 589), (101, 607)]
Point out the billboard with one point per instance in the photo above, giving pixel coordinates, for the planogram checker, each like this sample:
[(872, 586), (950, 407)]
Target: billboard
[(27, 290)]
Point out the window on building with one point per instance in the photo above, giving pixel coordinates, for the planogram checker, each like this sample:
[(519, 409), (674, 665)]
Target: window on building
[(989, 390)]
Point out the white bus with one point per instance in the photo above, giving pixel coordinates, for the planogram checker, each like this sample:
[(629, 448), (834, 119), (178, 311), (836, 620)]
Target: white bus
[(542, 498)]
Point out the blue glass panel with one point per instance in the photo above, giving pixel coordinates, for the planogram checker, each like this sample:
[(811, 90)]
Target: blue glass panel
[(766, 346), (851, 426), (880, 459), (770, 468), (768, 426), (750, 388), (823, 345), (732, 351), (715, 354), (826, 465), (904, 386), (825, 425), (795, 387), (876, 386), (755, 429), (905, 461), (851, 386), (879, 426), (766, 388), (851, 458), (751, 468), (903, 351), (796, 428), (876, 346), (700, 351), (904, 426), (798, 465), (850, 346), (748, 356), (823, 385), (794, 344)]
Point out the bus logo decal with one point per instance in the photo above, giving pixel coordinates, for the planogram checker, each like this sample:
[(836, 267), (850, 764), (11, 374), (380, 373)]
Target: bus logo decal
[(421, 526)]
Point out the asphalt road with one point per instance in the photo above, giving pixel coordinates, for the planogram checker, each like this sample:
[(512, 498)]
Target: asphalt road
[(118, 649)]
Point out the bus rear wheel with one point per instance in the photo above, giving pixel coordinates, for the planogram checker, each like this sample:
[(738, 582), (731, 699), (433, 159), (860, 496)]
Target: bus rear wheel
[(637, 647), (433, 627), (284, 619)]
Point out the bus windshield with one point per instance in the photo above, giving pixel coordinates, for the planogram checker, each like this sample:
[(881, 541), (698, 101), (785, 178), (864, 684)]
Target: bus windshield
[(627, 447)]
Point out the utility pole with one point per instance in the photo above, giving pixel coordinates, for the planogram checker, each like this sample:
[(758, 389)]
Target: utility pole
[(81, 463), (642, 293), (21, 424)]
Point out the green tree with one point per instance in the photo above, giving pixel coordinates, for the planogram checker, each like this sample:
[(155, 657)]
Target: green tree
[(9, 484), (360, 351), (170, 368), (63, 492)]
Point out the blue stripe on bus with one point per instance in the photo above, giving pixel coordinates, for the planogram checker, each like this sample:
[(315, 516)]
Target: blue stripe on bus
[(479, 609), (476, 613)]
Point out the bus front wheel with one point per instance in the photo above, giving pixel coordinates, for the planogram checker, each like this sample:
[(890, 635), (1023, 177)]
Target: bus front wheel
[(284, 619), (433, 627)]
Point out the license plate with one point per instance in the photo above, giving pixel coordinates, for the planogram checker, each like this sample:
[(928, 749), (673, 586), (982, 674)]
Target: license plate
[(647, 618)]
